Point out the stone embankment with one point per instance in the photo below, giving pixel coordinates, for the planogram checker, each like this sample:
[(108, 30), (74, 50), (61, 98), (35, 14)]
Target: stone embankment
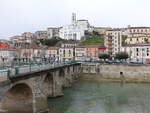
[(116, 72)]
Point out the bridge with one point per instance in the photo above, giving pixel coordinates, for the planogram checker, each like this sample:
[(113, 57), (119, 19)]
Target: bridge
[(25, 89)]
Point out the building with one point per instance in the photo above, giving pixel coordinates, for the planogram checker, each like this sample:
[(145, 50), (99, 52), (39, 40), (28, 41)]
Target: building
[(102, 30), (69, 44), (93, 51), (137, 43), (137, 38), (76, 30), (138, 30), (138, 52), (22, 40), (41, 34), (66, 54), (80, 53), (32, 52), (7, 53), (52, 32), (113, 40), (52, 53)]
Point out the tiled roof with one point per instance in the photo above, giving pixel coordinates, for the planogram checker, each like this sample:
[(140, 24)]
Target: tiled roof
[(53, 48)]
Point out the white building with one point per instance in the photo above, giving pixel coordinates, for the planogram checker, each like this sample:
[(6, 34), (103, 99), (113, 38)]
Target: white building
[(138, 30), (52, 32), (138, 52), (76, 30), (113, 40), (7, 54)]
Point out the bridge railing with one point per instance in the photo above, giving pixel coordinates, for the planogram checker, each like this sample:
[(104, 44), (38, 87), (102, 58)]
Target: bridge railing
[(6, 74)]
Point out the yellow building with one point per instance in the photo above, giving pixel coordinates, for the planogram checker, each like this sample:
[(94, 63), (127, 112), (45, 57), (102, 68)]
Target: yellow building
[(66, 54), (137, 38)]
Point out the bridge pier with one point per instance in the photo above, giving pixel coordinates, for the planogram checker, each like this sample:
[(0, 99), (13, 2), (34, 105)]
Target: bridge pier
[(68, 77), (40, 95), (57, 84)]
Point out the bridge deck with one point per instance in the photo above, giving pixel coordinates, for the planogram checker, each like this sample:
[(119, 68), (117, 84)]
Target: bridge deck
[(6, 74)]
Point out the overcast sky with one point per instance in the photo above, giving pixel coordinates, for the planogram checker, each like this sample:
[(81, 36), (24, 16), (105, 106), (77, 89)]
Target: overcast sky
[(18, 16)]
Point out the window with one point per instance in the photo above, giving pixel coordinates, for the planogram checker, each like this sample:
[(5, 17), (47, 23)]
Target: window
[(64, 52), (147, 49), (69, 51)]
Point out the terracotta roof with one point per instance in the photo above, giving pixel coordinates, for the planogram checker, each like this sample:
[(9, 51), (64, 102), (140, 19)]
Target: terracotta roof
[(7, 49), (53, 48), (4, 45)]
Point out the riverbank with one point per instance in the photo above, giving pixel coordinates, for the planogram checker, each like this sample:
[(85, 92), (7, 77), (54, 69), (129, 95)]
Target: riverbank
[(98, 78), (116, 72)]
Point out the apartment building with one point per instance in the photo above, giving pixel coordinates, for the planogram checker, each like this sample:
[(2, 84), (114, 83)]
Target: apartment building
[(52, 53), (41, 34), (22, 40), (66, 54), (113, 40), (139, 30), (137, 38), (7, 53), (93, 51), (80, 53), (138, 52), (52, 32)]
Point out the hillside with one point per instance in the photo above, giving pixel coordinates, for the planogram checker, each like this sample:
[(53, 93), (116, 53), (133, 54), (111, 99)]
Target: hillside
[(93, 40), (50, 42)]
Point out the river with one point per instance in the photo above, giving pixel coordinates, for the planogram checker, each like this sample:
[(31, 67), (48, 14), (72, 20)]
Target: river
[(96, 97)]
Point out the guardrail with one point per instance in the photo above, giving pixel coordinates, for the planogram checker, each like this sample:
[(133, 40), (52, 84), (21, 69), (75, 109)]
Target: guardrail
[(6, 74)]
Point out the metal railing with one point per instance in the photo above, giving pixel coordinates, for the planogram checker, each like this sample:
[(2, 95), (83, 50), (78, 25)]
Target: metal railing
[(6, 74)]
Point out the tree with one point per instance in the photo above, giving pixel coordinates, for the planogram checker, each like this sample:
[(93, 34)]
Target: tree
[(122, 56), (124, 37), (96, 33), (50, 42), (104, 56)]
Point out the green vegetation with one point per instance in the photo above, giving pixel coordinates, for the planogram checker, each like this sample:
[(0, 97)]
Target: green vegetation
[(92, 38), (50, 42), (122, 56), (104, 56), (124, 37)]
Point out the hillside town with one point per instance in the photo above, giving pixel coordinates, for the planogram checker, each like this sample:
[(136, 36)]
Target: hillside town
[(135, 41)]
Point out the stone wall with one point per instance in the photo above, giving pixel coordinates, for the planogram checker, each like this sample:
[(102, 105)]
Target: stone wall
[(117, 71)]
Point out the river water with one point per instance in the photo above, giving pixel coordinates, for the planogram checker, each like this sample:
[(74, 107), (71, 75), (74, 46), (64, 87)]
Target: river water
[(96, 97)]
